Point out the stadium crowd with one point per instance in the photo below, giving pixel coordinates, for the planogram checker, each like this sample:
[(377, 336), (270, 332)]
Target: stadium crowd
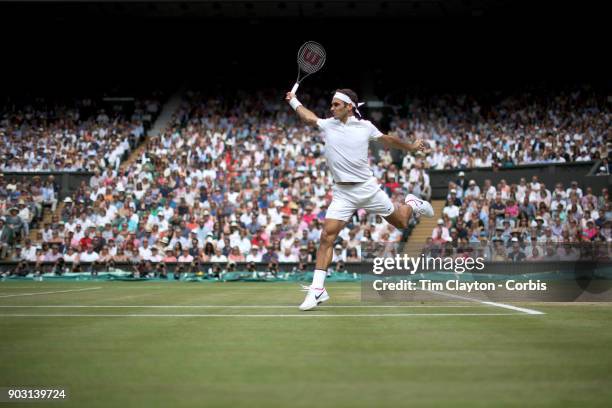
[(58, 136), (524, 221), (241, 180), (529, 126), (69, 136), (226, 182)]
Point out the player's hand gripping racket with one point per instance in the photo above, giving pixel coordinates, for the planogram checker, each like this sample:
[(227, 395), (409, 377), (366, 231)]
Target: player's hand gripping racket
[(311, 58)]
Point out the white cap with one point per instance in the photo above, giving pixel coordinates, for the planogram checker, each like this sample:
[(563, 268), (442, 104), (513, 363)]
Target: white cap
[(440, 221), (461, 174)]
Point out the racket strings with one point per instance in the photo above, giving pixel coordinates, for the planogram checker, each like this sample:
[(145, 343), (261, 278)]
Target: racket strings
[(311, 57)]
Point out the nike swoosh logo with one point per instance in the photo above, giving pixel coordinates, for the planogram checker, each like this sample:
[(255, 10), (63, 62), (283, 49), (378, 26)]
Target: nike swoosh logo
[(317, 297)]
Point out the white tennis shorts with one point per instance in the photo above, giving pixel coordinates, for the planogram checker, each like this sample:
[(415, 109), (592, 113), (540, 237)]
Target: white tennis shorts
[(349, 198)]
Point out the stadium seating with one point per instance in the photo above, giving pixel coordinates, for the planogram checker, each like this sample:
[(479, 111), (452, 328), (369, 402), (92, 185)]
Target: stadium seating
[(238, 178)]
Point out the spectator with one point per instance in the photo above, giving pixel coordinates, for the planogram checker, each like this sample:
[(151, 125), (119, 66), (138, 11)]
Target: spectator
[(6, 238), (440, 234), (254, 255), (287, 256), (516, 254), (352, 255)]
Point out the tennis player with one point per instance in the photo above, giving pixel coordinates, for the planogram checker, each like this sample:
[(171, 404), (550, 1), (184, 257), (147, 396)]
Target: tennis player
[(346, 137)]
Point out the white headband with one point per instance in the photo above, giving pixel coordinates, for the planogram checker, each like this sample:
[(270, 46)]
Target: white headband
[(346, 99)]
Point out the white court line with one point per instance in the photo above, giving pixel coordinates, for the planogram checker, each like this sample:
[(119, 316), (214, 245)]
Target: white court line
[(496, 304), (48, 293), (227, 306), (300, 315), (518, 309)]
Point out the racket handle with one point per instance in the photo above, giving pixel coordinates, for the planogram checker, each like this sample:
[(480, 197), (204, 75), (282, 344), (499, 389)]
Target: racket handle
[(295, 87)]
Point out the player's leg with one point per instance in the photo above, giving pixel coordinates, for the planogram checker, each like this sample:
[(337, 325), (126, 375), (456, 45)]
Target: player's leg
[(397, 215), (339, 212), (331, 229), (316, 291), (400, 217)]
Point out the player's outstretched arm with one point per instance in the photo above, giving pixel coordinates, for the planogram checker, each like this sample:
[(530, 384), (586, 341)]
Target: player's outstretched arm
[(306, 115), (395, 142)]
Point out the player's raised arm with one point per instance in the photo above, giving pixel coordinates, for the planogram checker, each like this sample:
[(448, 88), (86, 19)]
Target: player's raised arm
[(306, 115), (395, 142)]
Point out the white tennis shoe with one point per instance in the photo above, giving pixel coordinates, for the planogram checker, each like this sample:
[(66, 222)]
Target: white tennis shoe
[(420, 207), (314, 297)]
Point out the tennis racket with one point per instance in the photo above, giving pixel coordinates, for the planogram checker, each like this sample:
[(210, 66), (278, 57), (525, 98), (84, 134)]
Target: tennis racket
[(310, 59)]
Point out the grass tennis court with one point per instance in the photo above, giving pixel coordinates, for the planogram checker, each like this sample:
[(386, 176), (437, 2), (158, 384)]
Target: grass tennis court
[(137, 344)]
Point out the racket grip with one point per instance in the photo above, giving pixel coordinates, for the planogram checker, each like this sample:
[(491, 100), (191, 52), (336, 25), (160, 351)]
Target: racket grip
[(295, 87)]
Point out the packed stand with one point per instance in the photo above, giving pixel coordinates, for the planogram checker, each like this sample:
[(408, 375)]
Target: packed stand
[(22, 203), (524, 221), (530, 126), (44, 136), (229, 181), (78, 135)]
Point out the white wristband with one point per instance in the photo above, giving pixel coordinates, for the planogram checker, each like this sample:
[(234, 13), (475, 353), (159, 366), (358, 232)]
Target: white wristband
[(295, 103)]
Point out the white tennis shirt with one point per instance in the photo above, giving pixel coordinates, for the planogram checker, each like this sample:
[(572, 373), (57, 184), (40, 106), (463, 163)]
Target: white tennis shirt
[(346, 147)]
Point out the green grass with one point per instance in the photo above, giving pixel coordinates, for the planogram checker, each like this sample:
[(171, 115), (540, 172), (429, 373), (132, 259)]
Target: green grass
[(562, 358)]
